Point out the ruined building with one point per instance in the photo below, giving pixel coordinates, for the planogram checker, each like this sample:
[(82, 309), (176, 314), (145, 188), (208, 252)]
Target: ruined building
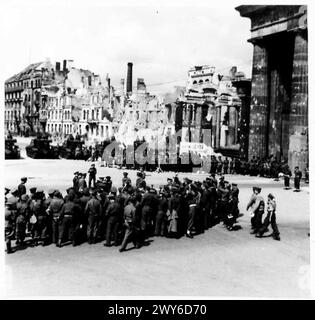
[(24, 112), (210, 112), (140, 115), (279, 97), (78, 103)]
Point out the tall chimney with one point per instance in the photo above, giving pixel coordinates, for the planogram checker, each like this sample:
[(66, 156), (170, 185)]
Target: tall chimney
[(64, 65), (57, 66), (129, 77)]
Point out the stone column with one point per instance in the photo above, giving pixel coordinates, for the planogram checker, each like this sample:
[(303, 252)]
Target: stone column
[(218, 127), (258, 129), (298, 136), (232, 126)]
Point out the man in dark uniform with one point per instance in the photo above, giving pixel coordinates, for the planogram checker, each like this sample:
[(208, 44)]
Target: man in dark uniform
[(297, 178), (21, 187), (82, 182), (125, 179), (69, 221), (108, 184), (9, 225), (76, 181), (160, 222), (54, 211), (226, 165), (270, 219), (92, 175), (93, 212), (113, 214), (40, 233), (129, 220)]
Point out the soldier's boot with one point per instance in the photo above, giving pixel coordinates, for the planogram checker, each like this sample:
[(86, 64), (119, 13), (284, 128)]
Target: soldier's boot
[(276, 237), (8, 245)]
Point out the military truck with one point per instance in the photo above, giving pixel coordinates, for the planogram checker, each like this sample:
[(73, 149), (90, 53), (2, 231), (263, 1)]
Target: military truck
[(71, 149), (12, 151), (40, 148)]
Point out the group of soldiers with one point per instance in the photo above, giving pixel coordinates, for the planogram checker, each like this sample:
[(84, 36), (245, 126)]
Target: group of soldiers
[(131, 213), (269, 168)]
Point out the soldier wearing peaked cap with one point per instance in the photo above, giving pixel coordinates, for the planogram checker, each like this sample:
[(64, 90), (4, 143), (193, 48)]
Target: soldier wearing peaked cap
[(21, 187)]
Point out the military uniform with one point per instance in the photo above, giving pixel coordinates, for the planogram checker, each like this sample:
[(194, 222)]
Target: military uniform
[(69, 222), (297, 178), (9, 226), (129, 219), (93, 212), (270, 219), (113, 213), (54, 210)]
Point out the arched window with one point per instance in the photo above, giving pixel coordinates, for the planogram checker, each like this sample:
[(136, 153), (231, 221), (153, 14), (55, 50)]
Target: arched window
[(200, 81), (84, 114), (195, 82)]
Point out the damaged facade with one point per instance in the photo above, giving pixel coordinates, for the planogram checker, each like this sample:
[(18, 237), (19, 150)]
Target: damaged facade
[(140, 115), (279, 98), (24, 112), (210, 112), (79, 103)]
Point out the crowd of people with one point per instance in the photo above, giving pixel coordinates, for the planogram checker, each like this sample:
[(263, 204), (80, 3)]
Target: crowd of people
[(95, 211)]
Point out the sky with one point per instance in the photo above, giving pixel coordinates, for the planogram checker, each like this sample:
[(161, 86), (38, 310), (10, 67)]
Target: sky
[(162, 41)]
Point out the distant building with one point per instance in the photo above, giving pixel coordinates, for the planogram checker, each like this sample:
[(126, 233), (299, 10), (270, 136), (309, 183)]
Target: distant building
[(23, 100), (279, 94), (211, 111), (79, 103)]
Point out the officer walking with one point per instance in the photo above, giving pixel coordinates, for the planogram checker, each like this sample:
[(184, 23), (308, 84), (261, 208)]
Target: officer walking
[(270, 219), (21, 187)]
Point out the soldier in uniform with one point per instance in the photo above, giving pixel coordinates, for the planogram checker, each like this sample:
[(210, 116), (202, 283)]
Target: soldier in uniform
[(22, 214), (69, 221), (93, 211), (129, 220), (9, 225), (225, 165), (113, 215), (82, 182), (287, 175), (21, 187), (270, 219), (40, 233), (108, 184), (125, 180), (92, 175), (160, 221), (297, 178), (76, 181), (256, 206), (54, 211)]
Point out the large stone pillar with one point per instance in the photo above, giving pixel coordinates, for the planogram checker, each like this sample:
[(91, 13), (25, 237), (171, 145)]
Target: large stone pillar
[(298, 136), (232, 126), (259, 104)]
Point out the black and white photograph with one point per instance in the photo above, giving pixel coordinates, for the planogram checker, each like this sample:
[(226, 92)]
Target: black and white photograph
[(155, 149)]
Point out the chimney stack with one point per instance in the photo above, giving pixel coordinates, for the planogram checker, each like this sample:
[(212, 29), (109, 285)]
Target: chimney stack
[(57, 66), (129, 77), (64, 65)]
